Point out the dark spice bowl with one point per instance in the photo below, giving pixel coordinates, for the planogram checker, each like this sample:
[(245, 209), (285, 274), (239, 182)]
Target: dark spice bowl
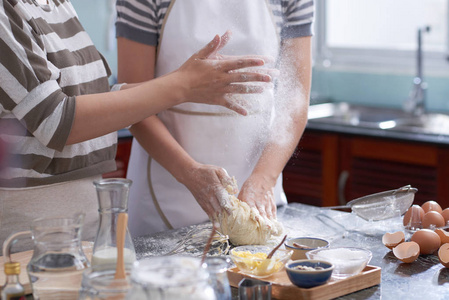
[(307, 273)]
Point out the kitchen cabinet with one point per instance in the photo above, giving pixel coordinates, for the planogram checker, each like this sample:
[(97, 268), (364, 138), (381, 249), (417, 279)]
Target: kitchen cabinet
[(121, 158), (330, 168), (333, 168), (311, 175)]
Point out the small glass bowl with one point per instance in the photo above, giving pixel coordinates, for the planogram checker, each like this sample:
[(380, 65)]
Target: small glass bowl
[(347, 261), (252, 261), (306, 244)]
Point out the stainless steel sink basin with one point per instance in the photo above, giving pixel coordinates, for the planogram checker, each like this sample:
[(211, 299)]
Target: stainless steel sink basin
[(430, 123), (343, 113)]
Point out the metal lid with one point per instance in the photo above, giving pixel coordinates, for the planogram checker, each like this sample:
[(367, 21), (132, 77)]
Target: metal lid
[(12, 268)]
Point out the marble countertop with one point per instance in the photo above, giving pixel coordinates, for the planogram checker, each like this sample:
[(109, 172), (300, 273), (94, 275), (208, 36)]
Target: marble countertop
[(425, 277), (379, 133)]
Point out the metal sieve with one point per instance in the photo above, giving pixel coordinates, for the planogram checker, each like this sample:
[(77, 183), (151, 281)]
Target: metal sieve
[(383, 205)]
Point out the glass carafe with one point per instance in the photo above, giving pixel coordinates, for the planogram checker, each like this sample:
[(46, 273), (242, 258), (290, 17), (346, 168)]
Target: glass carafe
[(99, 283), (56, 267), (112, 199)]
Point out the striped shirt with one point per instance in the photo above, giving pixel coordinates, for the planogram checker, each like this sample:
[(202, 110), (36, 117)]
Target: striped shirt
[(47, 59), (141, 20)]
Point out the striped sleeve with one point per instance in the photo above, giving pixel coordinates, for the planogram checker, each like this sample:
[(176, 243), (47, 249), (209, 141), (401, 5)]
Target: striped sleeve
[(297, 18), (28, 87), (141, 20)]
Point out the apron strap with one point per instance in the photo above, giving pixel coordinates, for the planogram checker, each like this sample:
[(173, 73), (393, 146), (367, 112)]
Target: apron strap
[(170, 6), (153, 195)]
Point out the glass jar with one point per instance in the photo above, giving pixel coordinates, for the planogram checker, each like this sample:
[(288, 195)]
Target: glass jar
[(218, 277), (170, 277)]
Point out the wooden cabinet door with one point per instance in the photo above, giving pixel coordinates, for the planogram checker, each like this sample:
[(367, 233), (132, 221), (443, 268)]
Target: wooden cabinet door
[(310, 176), (375, 165), (121, 158), (331, 169)]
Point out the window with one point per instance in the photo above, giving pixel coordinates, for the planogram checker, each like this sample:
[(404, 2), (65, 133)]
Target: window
[(381, 35)]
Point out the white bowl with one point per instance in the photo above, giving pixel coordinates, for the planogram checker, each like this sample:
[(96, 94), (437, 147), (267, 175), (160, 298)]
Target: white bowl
[(347, 261)]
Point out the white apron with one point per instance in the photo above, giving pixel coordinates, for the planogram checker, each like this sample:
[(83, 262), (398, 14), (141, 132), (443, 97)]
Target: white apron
[(210, 134)]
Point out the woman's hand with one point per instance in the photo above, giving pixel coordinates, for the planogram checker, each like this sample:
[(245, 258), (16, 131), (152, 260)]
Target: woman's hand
[(209, 77), (211, 186), (257, 191)]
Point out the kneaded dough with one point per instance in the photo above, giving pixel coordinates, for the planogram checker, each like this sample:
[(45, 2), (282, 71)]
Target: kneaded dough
[(244, 225)]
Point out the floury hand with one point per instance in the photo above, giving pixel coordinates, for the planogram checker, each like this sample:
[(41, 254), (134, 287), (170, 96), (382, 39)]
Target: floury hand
[(210, 185)]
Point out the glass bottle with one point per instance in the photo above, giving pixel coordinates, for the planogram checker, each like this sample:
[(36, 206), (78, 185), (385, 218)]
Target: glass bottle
[(112, 199), (218, 277), (12, 290)]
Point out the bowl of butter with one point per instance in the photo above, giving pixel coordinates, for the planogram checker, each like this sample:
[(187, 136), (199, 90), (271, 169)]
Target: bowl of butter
[(252, 260)]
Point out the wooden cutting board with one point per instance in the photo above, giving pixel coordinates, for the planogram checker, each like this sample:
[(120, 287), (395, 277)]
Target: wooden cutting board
[(282, 288), (24, 258)]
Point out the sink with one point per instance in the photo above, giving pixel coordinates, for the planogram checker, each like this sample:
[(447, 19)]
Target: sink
[(430, 123), (343, 113)]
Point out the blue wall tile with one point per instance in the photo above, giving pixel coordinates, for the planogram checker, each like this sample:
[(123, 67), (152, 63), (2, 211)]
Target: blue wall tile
[(376, 89), (95, 16)]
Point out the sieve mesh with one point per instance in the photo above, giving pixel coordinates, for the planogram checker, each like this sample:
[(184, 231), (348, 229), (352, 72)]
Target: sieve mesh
[(384, 205)]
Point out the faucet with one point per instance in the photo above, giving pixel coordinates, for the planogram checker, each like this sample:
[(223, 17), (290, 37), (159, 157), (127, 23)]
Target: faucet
[(415, 103)]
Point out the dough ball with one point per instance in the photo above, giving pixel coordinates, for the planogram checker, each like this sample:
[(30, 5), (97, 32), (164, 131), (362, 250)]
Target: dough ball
[(245, 225)]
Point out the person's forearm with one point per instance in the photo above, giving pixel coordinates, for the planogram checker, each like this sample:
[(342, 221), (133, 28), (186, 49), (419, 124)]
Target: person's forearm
[(199, 79), (291, 113), (277, 153), (136, 64), (99, 114), (168, 152)]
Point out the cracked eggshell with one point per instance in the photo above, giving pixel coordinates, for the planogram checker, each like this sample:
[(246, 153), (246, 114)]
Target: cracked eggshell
[(391, 240), (443, 255), (407, 252), (428, 241), (431, 205), (443, 234), (432, 218), (413, 217)]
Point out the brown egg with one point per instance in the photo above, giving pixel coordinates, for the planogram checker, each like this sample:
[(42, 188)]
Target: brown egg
[(445, 215), (428, 241), (413, 217), (443, 234), (432, 218), (391, 240), (431, 205), (407, 252), (443, 255)]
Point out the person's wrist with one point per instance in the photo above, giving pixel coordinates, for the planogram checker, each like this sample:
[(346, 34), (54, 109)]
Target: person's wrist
[(180, 87), (186, 171), (266, 177)]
